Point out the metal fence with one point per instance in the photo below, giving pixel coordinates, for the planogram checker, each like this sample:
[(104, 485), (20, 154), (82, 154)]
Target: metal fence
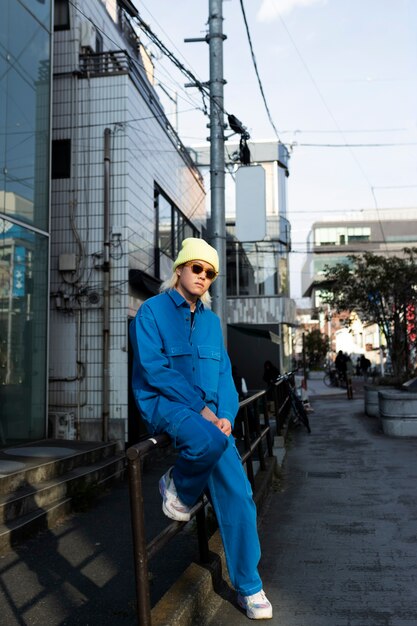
[(253, 427)]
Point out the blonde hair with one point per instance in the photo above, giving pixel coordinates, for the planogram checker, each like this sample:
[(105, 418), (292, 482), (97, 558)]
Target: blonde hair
[(171, 283)]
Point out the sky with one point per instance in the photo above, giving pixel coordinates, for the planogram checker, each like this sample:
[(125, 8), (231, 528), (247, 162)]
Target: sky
[(340, 80)]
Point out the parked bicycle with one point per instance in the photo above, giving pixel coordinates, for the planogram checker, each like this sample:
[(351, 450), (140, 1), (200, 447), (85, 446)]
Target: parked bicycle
[(332, 378), (298, 413)]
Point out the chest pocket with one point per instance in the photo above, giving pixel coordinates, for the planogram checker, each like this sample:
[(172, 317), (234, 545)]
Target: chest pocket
[(180, 358), (209, 362)]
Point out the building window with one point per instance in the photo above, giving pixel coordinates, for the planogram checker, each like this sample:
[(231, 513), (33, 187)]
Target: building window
[(61, 158), (358, 234), (171, 228), (99, 42), (341, 235), (61, 15), (256, 269)]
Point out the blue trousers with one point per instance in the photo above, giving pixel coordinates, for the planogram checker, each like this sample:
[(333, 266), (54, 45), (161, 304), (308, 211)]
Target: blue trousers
[(209, 461)]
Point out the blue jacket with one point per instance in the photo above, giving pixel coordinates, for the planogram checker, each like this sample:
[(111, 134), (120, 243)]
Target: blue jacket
[(178, 368)]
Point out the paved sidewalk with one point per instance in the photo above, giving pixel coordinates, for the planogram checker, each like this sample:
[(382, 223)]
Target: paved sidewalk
[(339, 540), (81, 572)]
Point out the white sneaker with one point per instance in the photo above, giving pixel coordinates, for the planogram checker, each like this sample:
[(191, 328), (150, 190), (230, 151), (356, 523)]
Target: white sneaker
[(256, 606), (171, 504)]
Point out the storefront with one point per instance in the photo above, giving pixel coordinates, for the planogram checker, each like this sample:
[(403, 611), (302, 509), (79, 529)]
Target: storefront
[(25, 105)]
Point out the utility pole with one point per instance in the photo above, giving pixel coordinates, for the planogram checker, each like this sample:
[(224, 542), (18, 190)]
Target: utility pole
[(217, 224)]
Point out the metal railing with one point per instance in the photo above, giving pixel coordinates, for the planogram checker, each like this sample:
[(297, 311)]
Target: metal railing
[(248, 423)]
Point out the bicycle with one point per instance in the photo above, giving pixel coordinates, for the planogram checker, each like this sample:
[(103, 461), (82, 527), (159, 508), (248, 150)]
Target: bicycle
[(298, 414), (332, 378)]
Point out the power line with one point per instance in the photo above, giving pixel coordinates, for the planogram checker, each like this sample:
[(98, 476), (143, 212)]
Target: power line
[(255, 65), (332, 117), (352, 130), (178, 64), (352, 145), (145, 28), (165, 33), (149, 33)]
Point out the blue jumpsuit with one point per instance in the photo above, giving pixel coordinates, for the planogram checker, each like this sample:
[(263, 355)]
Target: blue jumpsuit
[(178, 369)]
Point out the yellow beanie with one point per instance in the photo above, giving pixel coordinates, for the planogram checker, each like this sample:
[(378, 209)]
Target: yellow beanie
[(193, 249)]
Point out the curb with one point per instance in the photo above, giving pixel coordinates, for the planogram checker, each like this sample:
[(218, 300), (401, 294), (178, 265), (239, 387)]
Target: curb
[(193, 598)]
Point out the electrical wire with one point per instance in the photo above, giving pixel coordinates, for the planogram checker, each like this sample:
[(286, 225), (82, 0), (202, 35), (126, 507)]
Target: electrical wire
[(255, 65), (333, 119), (351, 145), (117, 46)]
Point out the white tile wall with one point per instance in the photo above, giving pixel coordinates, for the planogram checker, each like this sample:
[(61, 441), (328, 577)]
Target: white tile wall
[(142, 153)]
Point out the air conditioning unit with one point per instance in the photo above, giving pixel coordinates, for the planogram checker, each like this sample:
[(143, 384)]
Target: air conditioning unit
[(63, 425), (88, 36)]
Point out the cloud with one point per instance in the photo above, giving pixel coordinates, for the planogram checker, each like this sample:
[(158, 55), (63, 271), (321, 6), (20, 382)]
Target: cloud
[(271, 9)]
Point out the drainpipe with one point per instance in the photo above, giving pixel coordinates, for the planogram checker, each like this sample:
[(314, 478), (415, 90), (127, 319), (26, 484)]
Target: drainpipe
[(106, 287)]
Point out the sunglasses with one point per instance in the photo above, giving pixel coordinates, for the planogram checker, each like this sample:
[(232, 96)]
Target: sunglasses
[(196, 268)]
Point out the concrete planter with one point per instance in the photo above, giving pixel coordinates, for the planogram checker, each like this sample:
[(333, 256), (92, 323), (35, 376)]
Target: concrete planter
[(398, 413), (371, 399)]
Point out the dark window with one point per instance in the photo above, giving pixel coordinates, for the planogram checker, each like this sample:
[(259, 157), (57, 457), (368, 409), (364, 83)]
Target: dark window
[(171, 228), (61, 158), (99, 42), (61, 15)]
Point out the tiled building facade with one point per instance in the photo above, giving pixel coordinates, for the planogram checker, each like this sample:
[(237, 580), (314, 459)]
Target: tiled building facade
[(102, 80)]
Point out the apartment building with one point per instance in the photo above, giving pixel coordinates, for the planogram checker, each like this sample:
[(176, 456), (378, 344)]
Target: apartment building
[(386, 232), (125, 192)]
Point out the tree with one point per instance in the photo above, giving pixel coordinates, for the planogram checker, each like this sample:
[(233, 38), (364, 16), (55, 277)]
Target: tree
[(316, 345), (383, 290)]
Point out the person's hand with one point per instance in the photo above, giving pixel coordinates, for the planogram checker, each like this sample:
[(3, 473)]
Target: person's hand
[(209, 415), (225, 426), (222, 424)]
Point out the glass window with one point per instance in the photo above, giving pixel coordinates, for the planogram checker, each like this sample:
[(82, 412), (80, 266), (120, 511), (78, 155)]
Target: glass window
[(25, 115), (41, 9), (165, 229), (320, 263), (171, 228), (23, 333), (61, 15), (359, 233), (256, 268), (61, 158)]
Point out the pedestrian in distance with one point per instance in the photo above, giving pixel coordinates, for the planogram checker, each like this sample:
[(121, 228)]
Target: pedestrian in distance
[(240, 383), (340, 364), (349, 375), (270, 375), (365, 364), (183, 385)]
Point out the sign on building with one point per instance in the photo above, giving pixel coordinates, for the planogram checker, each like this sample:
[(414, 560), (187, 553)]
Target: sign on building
[(250, 203)]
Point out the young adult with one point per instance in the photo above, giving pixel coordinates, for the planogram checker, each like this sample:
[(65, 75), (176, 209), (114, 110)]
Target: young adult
[(183, 385)]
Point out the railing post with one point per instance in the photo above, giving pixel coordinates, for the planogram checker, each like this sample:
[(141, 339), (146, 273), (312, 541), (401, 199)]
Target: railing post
[(139, 542), (267, 423), (249, 465), (260, 449), (202, 535), (141, 551), (277, 409)]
